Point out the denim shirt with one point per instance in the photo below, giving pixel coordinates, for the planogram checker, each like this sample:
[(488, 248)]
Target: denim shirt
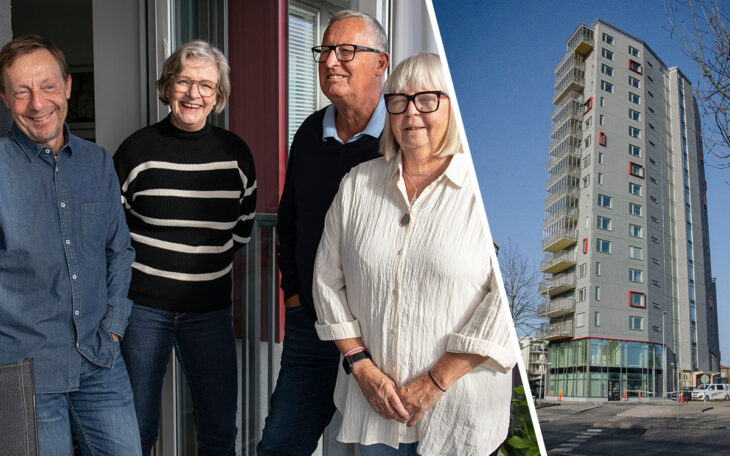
[(65, 258)]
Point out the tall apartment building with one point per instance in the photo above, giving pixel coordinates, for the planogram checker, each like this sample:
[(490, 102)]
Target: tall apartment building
[(625, 230)]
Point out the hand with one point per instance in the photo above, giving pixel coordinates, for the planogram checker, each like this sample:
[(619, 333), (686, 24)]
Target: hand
[(293, 301), (380, 391), (418, 397), (116, 338)]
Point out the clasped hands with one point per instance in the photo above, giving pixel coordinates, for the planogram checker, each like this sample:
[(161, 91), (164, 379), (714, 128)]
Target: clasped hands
[(406, 404)]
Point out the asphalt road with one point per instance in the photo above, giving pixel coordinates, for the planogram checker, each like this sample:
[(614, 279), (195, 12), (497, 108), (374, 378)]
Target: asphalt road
[(630, 428)]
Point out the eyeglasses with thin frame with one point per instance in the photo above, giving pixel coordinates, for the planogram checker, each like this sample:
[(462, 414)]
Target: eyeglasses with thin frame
[(424, 102), (184, 85), (344, 52)]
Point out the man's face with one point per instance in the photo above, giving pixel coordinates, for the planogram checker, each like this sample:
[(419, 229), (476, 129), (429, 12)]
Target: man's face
[(37, 95), (347, 82)]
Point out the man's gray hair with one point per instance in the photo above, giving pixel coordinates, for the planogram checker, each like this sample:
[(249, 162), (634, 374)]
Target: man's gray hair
[(198, 50), (375, 30)]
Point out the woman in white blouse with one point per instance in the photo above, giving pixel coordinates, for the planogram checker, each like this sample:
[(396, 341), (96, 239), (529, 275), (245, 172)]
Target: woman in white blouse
[(404, 285)]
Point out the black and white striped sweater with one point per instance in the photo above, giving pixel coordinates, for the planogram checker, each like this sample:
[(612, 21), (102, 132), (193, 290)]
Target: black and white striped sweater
[(190, 200)]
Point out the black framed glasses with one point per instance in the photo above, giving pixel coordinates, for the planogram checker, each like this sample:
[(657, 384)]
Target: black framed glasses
[(425, 102), (343, 52), (206, 88)]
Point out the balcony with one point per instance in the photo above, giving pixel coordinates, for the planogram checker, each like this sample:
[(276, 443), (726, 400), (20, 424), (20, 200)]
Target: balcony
[(557, 284), (561, 192), (572, 82), (573, 110), (559, 240), (558, 262), (581, 42), (557, 307), (558, 330), (567, 170), (570, 128), (569, 61)]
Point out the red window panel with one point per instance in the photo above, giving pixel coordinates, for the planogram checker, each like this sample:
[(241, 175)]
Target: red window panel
[(588, 105), (585, 245), (637, 299), (602, 138), (636, 170), (635, 67)]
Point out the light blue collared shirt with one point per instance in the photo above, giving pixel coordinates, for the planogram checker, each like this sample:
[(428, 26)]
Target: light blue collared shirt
[(373, 128)]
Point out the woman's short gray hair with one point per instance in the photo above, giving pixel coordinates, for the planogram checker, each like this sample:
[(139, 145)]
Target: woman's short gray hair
[(198, 50), (420, 72), (375, 30)]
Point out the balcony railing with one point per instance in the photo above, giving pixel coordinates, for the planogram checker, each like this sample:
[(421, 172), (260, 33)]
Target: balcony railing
[(568, 61), (559, 330), (581, 42), (573, 81), (563, 212), (574, 129), (570, 169), (571, 110), (563, 191), (557, 307), (557, 284), (557, 262)]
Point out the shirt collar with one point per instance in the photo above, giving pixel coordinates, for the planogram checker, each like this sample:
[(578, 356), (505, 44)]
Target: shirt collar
[(32, 149), (457, 171), (374, 127)]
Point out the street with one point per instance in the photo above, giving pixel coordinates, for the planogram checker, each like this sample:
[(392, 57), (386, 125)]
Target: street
[(647, 428)]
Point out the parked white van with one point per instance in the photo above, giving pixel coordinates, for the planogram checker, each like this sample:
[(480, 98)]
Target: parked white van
[(718, 391)]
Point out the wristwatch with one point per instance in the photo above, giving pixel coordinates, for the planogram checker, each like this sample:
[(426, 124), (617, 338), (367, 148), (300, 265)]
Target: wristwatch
[(349, 361)]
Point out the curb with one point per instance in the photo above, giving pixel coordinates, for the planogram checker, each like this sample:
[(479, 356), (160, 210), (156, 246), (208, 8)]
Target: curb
[(665, 425)]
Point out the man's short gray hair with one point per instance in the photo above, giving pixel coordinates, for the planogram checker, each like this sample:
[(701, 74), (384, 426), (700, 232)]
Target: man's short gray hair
[(198, 50), (375, 30), (420, 72)]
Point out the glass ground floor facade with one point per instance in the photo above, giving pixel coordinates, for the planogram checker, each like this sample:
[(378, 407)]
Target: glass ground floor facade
[(604, 369)]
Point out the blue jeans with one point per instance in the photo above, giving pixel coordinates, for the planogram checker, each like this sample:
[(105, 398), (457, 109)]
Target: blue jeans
[(206, 348), (379, 449), (301, 405), (99, 415)]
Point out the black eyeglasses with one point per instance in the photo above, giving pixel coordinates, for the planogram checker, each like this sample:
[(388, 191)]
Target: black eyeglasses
[(343, 52), (425, 102)]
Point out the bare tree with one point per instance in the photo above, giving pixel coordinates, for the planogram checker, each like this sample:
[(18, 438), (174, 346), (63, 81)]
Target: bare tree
[(701, 26), (521, 279)]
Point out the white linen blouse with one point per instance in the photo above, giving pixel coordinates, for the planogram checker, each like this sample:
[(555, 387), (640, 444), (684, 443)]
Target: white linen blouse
[(413, 293)]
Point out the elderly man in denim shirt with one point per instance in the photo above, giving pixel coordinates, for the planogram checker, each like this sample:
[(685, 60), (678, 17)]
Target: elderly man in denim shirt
[(65, 260)]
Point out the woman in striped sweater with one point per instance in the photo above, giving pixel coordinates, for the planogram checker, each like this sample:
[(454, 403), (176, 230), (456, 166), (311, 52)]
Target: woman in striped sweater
[(189, 192)]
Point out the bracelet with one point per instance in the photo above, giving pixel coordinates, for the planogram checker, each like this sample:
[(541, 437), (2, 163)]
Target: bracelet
[(434, 382), (350, 351)]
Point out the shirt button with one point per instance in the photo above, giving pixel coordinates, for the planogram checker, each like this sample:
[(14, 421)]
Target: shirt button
[(56, 168), (76, 312), (67, 242), (394, 331), (400, 252), (73, 276), (48, 151), (63, 204)]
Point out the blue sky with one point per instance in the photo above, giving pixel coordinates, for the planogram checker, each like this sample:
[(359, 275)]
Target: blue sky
[(501, 55)]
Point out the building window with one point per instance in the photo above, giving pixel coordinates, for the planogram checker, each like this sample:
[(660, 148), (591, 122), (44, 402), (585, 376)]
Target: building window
[(655, 283), (585, 244), (600, 158), (587, 123), (604, 201), (607, 70), (603, 246), (580, 320), (653, 180), (653, 199), (636, 170), (602, 138), (651, 110), (649, 93), (588, 105), (635, 209), (597, 293), (637, 253), (603, 223), (586, 181), (637, 299), (657, 328), (636, 323), (598, 269), (655, 240), (581, 270), (635, 231), (587, 142), (607, 54), (633, 82), (634, 98), (636, 275), (581, 295), (606, 86), (601, 120), (634, 114), (635, 66), (608, 39), (634, 132), (655, 261), (587, 161), (602, 102), (634, 150), (633, 51), (634, 189), (600, 178), (596, 318)]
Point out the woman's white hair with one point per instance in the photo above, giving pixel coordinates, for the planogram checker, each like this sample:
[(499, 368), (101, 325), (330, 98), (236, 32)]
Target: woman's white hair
[(420, 72)]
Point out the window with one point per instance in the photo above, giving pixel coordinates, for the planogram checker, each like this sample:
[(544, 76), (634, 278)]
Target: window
[(636, 323), (580, 320), (607, 54), (581, 295), (635, 66), (607, 70), (635, 209), (655, 261), (600, 158), (604, 201), (656, 305), (602, 138), (587, 123), (637, 253), (608, 39), (653, 181), (654, 219), (650, 109), (603, 223), (585, 182), (606, 86), (600, 178), (636, 299), (587, 142), (585, 244), (581, 271), (636, 275), (634, 150), (655, 283), (601, 120), (634, 98), (602, 102), (636, 170), (653, 199), (598, 269), (588, 105), (657, 328), (634, 114), (633, 82), (603, 246), (633, 51), (597, 293), (655, 240), (634, 189), (648, 92), (652, 126), (587, 161), (634, 132), (635, 231), (596, 318)]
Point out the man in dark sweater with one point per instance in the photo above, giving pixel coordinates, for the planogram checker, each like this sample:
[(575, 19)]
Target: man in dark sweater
[(352, 61)]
